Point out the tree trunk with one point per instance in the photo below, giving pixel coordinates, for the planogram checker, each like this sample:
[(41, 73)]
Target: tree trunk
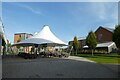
[(76, 51), (92, 52), (17, 50), (118, 51)]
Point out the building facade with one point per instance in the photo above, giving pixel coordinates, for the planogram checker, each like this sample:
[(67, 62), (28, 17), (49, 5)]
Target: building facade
[(19, 37), (104, 40), (104, 34), (81, 42)]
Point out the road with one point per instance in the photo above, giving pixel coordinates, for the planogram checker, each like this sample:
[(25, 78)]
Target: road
[(71, 67)]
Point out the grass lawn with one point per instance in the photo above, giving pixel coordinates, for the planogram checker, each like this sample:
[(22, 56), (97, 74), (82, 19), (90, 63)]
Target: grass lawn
[(102, 58)]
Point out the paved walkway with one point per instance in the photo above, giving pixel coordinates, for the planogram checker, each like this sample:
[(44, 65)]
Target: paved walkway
[(73, 67), (79, 59)]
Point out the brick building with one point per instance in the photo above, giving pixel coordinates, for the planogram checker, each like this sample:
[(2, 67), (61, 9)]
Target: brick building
[(22, 36), (104, 39), (81, 42), (104, 34)]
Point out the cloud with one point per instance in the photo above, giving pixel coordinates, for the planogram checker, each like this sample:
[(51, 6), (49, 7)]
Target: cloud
[(105, 11), (119, 13), (33, 10), (110, 25), (101, 17), (0, 8), (109, 14), (98, 9)]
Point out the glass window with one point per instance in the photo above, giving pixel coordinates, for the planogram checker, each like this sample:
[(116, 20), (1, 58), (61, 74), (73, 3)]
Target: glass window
[(100, 37)]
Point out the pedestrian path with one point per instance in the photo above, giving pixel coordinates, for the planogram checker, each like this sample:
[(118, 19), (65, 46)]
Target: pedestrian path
[(79, 59)]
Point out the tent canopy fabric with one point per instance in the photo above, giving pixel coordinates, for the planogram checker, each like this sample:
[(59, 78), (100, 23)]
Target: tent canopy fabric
[(45, 36), (32, 41)]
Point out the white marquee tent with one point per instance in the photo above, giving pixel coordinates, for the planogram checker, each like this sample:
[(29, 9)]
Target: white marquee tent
[(45, 36)]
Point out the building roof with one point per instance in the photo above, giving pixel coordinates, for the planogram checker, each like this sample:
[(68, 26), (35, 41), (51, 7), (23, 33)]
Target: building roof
[(109, 29), (81, 38), (107, 44), (22, 33)]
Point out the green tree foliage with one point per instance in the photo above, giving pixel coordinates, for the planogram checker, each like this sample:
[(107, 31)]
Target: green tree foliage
[(91, 41), (18, 41), (116, 36), (75, 44), (8, 44)]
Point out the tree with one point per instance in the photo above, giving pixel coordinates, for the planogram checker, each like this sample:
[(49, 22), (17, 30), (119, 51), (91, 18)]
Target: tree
[(91, 41), (75, 44), (116, 36), (8, 44), (18, 41)]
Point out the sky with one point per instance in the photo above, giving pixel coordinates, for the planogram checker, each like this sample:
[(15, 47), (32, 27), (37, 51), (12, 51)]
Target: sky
[(65, 19)]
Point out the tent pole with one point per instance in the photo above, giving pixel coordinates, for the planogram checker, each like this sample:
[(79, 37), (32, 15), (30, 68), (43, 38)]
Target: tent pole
[(39, 49), (28, 49), (24, 49)]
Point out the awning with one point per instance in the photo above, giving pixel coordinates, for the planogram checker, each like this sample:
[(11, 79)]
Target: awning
[(102, 45)]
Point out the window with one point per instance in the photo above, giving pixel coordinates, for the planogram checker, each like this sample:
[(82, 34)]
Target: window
[(100, 37)]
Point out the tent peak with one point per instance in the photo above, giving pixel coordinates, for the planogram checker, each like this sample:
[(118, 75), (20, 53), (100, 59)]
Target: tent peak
[(45, 26)]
